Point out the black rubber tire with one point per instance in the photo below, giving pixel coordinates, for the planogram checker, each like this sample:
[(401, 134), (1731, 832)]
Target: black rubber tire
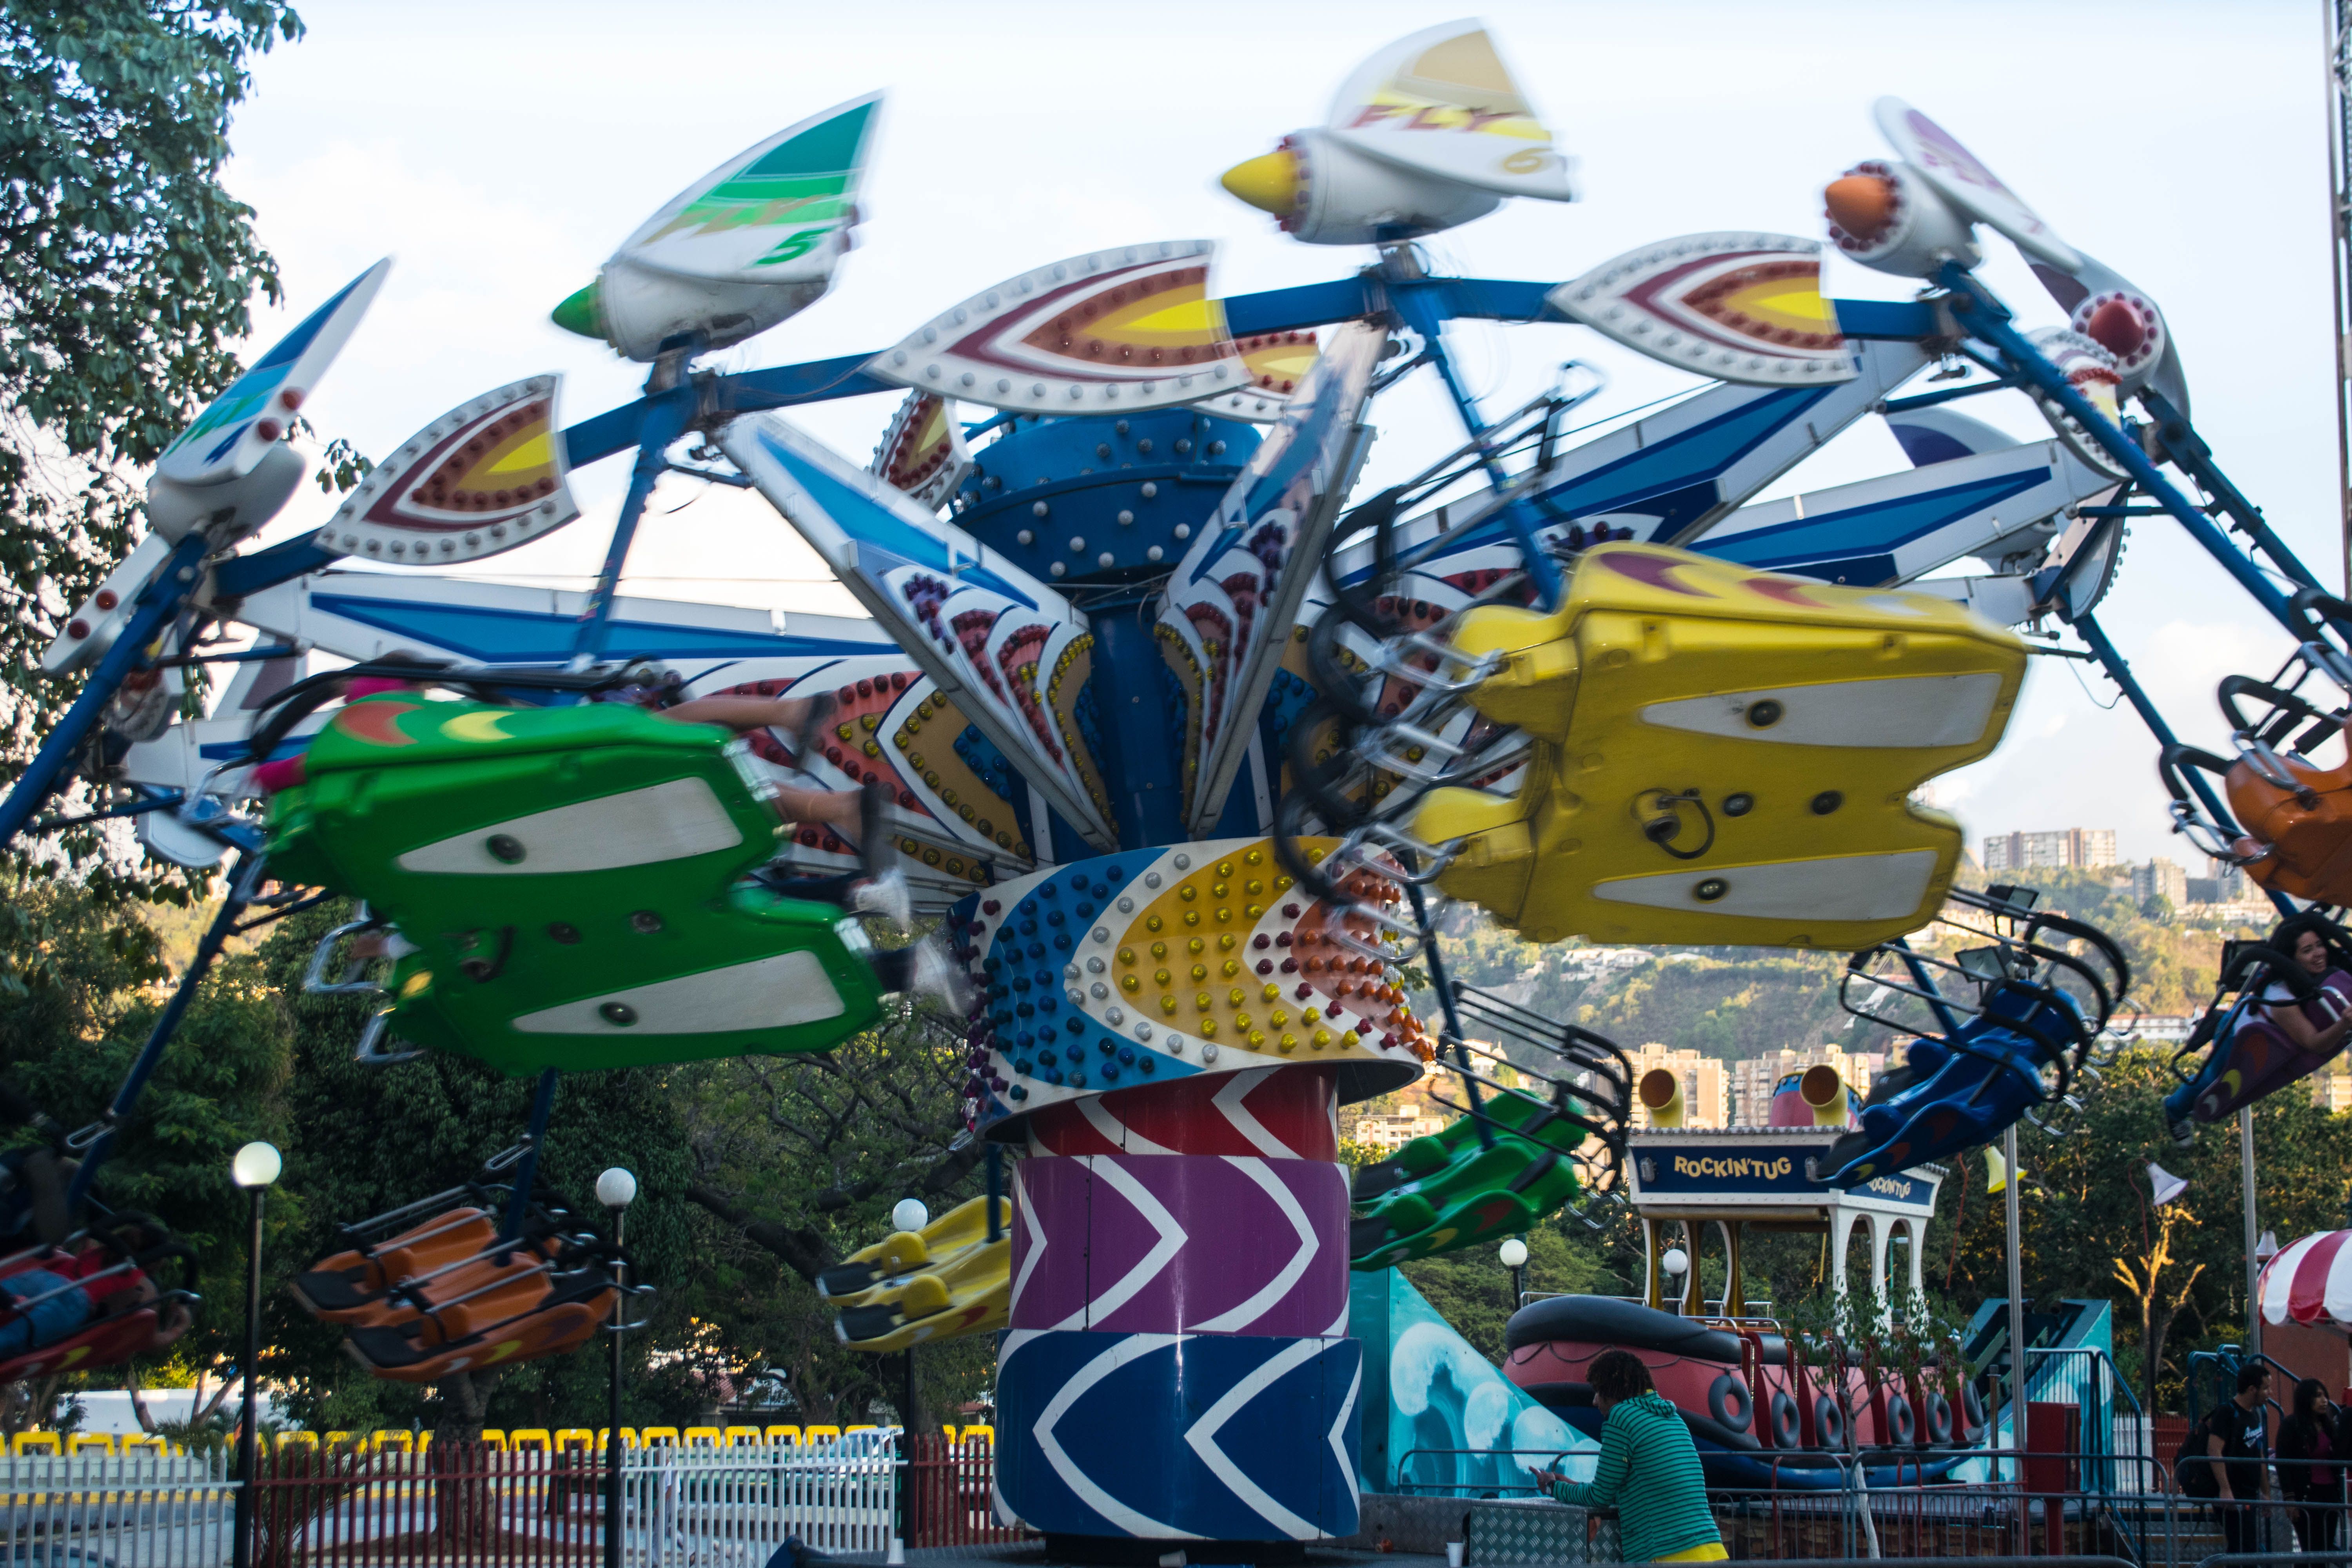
[(1829, 1423), (1972, 1413), (1901, 1426), (1728, 1401), (1936, 1420), (1780, 1417)]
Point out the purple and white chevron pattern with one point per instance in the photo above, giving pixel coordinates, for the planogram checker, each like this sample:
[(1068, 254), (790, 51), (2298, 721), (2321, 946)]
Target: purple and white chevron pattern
[(1180, 1245)]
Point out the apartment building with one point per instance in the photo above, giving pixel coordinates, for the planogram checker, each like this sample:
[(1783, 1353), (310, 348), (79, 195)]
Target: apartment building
[(2160, 878), (2082, 848), (1413, 1118), (1706, 1082), (1754, 1078)]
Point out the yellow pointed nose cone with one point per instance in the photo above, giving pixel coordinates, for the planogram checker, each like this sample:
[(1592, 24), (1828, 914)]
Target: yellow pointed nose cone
[(1269, 183)]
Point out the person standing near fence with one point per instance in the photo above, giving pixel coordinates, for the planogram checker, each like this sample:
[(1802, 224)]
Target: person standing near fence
[(2311, 1454), (1649, 1470), (2237, 1441)]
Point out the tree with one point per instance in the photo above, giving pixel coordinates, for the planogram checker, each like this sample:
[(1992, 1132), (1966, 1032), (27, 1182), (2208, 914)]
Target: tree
[(2083, 1199), (90, 986), (364, 1140), (2160, 1300), (798, 1161), (125, 269)]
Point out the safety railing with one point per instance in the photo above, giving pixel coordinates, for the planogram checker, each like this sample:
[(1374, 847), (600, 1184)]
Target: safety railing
[(147, 1509), (949, 1493), (469, 1503), (1913, 1505)]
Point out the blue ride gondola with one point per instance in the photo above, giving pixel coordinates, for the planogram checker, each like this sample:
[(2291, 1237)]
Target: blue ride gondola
[(2015, 1026)]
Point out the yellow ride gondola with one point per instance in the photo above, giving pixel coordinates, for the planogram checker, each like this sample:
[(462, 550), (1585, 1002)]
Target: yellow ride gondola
[(946, 1280), (1721, 755)]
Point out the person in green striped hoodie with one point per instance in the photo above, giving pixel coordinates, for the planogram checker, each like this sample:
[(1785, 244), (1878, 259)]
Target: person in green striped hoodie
[(1648, 1470)]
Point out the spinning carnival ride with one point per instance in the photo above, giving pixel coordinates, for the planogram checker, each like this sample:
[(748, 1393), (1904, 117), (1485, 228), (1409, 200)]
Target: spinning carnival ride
[(1176, 736)]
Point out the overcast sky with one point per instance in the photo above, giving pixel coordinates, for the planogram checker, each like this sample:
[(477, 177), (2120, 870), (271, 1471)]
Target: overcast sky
[(501, 150)]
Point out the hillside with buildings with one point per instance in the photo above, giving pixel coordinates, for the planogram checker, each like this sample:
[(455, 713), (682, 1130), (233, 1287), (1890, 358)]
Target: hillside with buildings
[(1731, 1022)]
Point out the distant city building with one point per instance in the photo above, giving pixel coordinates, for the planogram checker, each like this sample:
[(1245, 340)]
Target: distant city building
[(2229, 882), (1753, 1079), (2332, 1091), (2077, 847), (2160, 878), (1392, 1130), (1593, 961), (1706, 1082)]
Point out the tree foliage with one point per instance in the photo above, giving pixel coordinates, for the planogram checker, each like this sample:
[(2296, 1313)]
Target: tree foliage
[(125, 269)]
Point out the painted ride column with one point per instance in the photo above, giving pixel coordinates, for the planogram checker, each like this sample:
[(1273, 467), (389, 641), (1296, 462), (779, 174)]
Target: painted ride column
[(1177, 1365)]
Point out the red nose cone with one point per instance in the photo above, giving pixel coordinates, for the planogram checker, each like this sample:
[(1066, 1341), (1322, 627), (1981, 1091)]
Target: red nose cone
[(1862, 204), (2117, 328)]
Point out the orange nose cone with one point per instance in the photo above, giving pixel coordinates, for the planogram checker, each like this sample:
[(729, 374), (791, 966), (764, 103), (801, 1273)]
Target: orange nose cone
[(1862, 204), (2117, 328)]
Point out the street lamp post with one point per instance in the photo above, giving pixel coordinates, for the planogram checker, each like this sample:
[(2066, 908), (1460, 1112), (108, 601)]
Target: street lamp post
[(1514, 1254), (615, 1189), (254, 1168), (909, 1214), (1676, 1263)]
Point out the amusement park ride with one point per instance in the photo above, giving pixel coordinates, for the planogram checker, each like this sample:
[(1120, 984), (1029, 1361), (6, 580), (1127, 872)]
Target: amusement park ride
[(1184, 743)]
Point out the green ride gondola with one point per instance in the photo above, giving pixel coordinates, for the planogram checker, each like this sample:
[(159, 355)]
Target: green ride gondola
[(570, 885)]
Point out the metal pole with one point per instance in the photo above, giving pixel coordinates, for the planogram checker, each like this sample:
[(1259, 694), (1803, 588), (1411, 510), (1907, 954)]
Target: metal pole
[(248, 1442), (906, 1406), (1986, 317), (527, 1169), (158, 603), (2016, 1302), (2331, 28), (244, 881), (666, 419), (2254, 1269), (613, 1413)]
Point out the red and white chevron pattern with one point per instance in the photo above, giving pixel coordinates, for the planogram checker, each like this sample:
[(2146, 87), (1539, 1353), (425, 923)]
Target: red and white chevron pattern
[(1274, 1113)]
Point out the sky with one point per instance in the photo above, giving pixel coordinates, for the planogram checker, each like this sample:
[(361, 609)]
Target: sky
[(501, 150)]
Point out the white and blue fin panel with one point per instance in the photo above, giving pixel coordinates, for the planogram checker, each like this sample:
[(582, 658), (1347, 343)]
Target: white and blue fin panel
[(1887, 530), (1233, 598), (240, 425), (1012, 654)]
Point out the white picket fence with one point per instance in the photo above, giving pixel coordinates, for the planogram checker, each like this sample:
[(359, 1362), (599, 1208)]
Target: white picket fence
[(727, 1506), (682, 1508), (137, 1511)]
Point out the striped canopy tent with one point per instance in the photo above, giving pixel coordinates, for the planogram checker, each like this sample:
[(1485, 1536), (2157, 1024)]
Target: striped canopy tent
[(2310, 1281)]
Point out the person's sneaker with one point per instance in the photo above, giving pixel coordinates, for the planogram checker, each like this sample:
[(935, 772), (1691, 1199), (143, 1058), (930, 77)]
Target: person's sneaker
[(937, 976), (886, 895), (2183, 1130)]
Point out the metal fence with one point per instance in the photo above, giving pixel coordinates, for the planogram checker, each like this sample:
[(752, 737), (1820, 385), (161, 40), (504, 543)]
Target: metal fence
[(949, 1489), (138, 1511), (464, 1506), (2117, 1501)]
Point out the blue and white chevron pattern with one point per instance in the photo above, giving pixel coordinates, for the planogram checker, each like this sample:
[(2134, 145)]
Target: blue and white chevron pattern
[(1178, 1437)]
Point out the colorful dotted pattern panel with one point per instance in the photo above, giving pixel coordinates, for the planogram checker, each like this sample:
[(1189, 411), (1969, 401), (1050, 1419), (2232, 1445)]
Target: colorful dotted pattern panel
[(1162, 963)]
